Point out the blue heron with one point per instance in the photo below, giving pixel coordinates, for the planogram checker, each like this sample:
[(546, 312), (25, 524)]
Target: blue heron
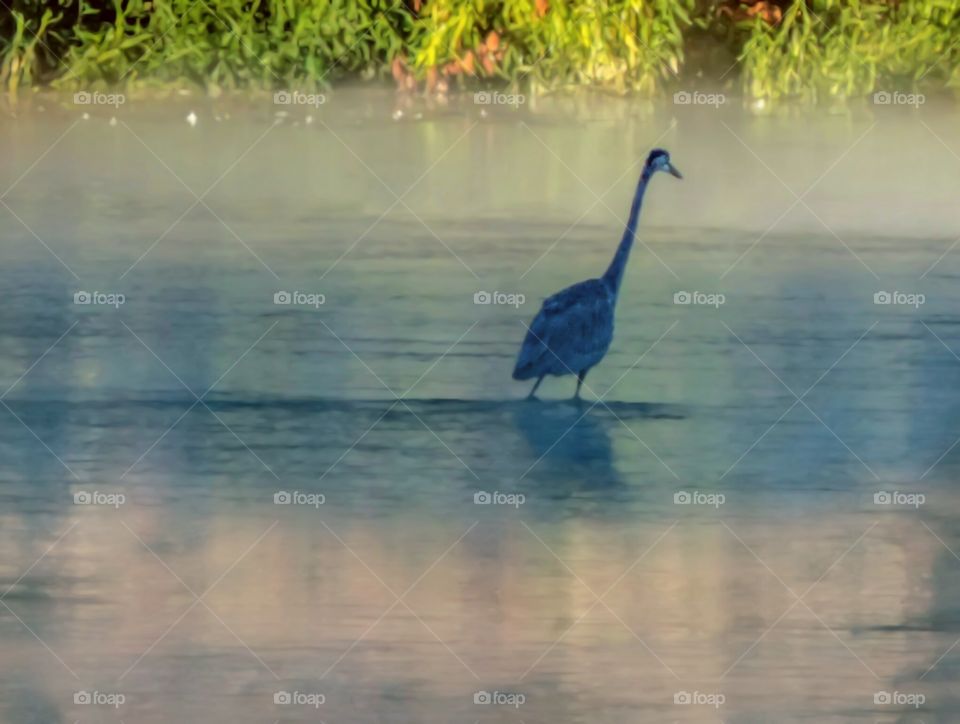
[(574, 327)]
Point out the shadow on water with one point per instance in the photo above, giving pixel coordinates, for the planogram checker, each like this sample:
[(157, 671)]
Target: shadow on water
[(570, 445), (550, 450), (571, 442)]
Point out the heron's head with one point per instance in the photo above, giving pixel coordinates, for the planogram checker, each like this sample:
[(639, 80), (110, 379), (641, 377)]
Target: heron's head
[(659, 160)]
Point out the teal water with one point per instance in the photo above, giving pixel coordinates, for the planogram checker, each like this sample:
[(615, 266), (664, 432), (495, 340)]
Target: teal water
[(789, 588)]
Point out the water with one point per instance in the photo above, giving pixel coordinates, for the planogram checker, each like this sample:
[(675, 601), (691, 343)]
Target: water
[(794, 596)]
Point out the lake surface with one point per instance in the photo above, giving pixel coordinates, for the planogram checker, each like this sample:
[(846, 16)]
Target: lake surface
[(212, 503)]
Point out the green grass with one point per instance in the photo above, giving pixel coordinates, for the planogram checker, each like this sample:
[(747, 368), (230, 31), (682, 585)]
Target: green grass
[(829, 48), (816, 50)]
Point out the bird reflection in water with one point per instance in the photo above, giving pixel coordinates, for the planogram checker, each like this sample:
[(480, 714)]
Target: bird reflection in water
[(571, 447)]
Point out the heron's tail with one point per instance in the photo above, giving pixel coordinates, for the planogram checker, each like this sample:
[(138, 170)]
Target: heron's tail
[(519, 374), (530, 359), (524, 370)]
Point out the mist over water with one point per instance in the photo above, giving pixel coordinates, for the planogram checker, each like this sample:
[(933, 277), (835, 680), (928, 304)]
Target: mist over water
[(809, 575)]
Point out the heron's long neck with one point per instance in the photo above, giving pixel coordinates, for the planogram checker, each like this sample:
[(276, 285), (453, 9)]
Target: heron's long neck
[(614, 273)]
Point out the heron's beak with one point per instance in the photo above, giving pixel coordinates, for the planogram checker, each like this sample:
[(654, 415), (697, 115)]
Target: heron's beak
[(673, 171)]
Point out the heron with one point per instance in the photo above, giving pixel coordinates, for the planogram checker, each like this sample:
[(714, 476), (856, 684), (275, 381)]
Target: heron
[(573, 329)]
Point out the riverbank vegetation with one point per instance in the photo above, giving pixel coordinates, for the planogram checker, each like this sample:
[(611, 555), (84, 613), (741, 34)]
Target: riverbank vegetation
[(764, 49)]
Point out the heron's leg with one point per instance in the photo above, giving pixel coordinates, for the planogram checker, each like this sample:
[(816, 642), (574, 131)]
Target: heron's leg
[(535, 386), (583, 373)]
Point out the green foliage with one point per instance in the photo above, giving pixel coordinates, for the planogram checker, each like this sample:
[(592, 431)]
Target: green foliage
[(836, 48), (618, 44), (811, 49), (223, 43), (23, 51)]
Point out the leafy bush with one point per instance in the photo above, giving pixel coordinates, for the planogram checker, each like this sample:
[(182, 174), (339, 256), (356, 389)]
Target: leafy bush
[(787, 48), (618, 44), (227, 43), (834, 48)]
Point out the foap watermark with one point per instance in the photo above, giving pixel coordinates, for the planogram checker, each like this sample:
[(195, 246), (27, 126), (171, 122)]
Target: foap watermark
[(698, 98), (296, 497), (898, 98), (697, 497), (895, 497), (699, 698), (495, 98), (105, 299), (482, 497), (96, 497), (299, 698), (99, 698), (96, 98), (500, 698), (298, 98), (300, 299), (898, 698), (905, 299), (702, 299), (501, 298)]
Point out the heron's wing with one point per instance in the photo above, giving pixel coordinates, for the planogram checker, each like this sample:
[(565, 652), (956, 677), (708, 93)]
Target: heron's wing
[(569, 324)]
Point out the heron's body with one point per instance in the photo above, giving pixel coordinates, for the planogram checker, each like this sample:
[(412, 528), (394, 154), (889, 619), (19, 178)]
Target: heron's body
[(574, 328), (571, 332)]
